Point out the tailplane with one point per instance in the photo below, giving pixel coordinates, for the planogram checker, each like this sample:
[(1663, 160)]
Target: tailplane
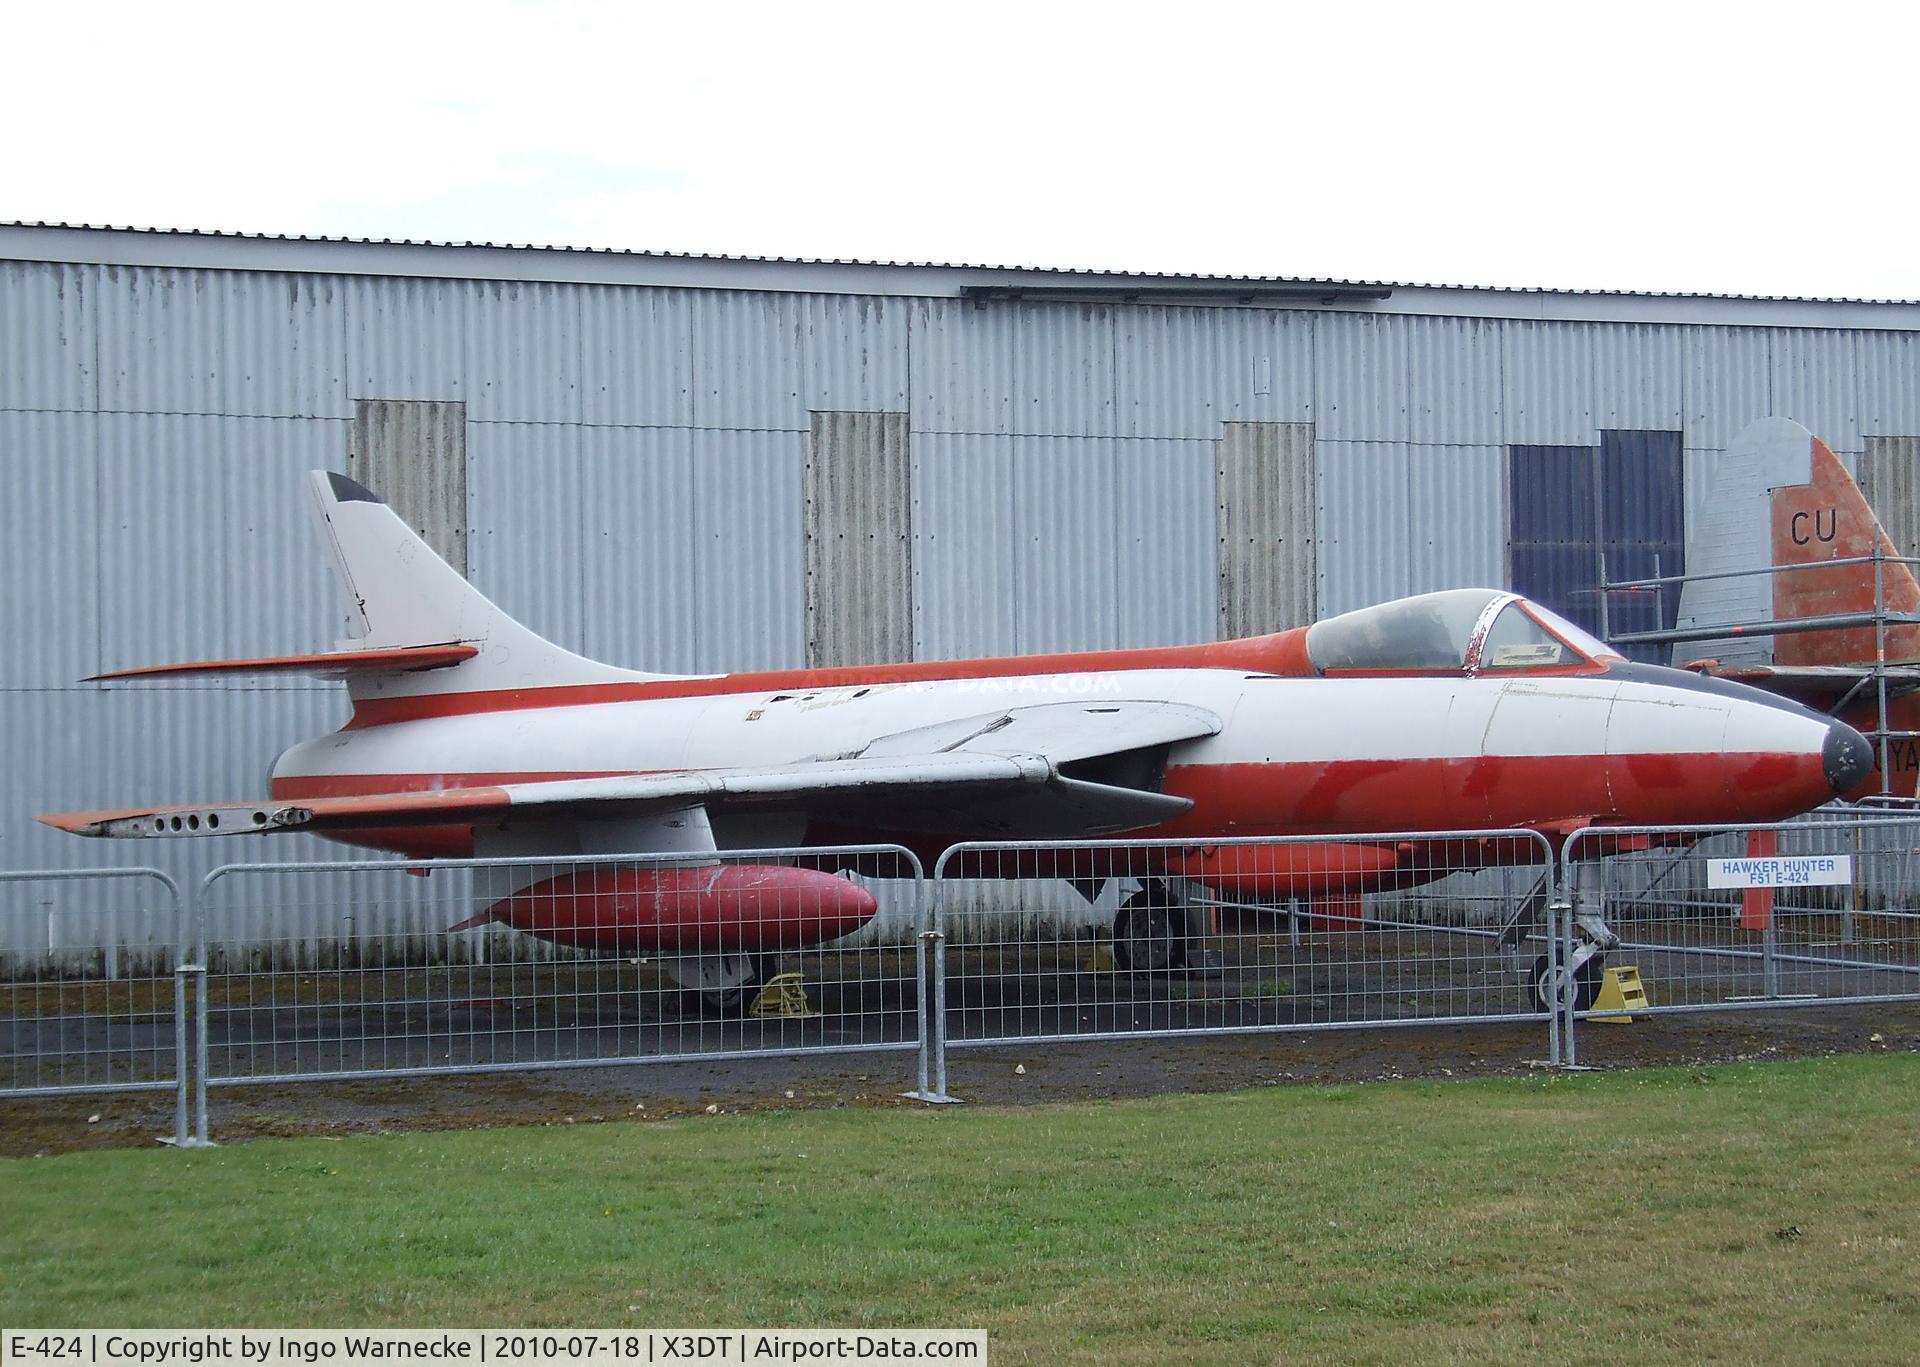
[(414, 624), (400, 595)]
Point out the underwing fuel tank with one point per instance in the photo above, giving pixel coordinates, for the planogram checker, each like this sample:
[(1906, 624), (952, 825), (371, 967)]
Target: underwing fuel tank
[(708, 909)]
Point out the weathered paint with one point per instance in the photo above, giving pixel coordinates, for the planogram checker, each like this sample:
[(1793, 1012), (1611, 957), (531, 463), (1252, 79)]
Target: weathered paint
[(1826, 518), (1264, 483), (1781, 496), (1889, 474), (414, 451), (859, 541)]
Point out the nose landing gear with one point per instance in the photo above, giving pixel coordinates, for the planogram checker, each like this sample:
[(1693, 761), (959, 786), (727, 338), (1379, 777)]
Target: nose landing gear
[(1580, 974), (1549, 995)]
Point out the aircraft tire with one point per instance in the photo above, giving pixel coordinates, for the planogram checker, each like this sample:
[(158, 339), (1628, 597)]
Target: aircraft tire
[(1586, 984), (1145, 939)]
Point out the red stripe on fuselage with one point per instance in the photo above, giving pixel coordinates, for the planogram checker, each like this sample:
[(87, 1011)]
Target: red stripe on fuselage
[(1476, 792), (1284, 653)]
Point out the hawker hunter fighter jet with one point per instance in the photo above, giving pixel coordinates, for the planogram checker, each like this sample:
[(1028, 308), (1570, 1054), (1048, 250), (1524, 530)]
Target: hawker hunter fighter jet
[(1470, 709)]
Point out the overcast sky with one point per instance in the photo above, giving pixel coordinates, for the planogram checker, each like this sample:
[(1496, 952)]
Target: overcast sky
[(1675, 146)]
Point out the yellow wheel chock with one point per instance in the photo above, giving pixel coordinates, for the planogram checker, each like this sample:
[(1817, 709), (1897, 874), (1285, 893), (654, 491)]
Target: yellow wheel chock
[(783, 998), (1620, 990)]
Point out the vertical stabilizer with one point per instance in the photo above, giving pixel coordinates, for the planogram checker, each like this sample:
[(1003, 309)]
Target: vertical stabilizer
[(1779, 496), (400, 594)]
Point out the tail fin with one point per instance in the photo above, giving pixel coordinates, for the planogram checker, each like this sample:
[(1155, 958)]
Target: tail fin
[(1781, 497), (401, 595)]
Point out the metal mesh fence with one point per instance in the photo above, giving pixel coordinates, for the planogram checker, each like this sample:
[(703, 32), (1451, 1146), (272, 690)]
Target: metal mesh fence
[(340, 970), (558, 962), (1118, 938), (89, 995), (1821, 910)]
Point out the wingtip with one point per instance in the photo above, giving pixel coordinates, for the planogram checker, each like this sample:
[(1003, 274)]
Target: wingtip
[(73, 823)]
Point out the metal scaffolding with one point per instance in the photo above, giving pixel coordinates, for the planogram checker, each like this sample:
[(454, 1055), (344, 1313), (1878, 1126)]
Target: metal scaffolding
[(1879, 671)]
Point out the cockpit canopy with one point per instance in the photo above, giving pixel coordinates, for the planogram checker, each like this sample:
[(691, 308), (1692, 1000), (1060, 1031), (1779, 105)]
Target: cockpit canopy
[(1474, 631)]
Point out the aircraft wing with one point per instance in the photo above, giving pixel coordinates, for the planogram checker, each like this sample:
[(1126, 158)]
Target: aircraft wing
[(977, 777)]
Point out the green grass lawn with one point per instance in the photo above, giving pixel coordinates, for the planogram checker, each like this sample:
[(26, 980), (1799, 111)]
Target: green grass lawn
[(1749, 1213)]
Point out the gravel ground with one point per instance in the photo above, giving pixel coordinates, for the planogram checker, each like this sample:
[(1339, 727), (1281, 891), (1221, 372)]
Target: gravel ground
[(998, 1075)]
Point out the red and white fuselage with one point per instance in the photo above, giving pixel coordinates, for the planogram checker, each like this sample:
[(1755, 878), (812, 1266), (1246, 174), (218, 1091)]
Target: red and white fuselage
[(1470, 709), (1295, 755)]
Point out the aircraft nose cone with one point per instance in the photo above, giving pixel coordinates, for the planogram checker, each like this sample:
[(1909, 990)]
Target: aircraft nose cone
[(1846, 757)]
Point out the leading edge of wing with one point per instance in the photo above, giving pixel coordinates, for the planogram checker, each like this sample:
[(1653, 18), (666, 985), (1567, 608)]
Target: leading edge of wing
[(921, 774)]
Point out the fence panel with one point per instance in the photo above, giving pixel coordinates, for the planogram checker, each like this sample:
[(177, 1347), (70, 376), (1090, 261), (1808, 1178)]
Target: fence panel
[(91, 998), (553, 963), (1237, 936), (1817, 911)]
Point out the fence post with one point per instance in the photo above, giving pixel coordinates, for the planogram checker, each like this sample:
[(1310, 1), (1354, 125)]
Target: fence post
[(201, 1139), (924, 1054), (1567, 997), (182, 1082), (193, 969), (1557, 872), (1560, 947), (182, 1079), (938, 1005), (929, 996), (940, 1012)]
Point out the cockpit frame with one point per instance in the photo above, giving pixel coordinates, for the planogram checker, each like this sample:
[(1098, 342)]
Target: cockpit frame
[(1433, 637)]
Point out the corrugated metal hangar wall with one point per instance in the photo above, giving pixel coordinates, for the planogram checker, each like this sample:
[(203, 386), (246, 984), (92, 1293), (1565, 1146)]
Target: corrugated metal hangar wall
[(699, 464)]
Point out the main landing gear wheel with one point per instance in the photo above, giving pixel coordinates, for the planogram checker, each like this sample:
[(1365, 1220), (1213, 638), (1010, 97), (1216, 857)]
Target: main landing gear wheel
[(721, 982), (1146, 938), (1586, 984)]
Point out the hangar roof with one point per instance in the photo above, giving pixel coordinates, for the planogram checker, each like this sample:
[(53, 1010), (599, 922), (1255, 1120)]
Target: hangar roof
[(217, 250)]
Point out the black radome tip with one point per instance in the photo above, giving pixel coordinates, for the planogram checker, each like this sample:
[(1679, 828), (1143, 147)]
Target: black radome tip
[(1847, 758)]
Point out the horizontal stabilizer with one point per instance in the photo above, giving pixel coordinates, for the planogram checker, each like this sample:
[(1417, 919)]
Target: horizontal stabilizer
[(328, 664)]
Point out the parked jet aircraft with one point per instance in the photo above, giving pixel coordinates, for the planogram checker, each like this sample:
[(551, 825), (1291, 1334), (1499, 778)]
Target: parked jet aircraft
[(1781, 497), (1466, 709)]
